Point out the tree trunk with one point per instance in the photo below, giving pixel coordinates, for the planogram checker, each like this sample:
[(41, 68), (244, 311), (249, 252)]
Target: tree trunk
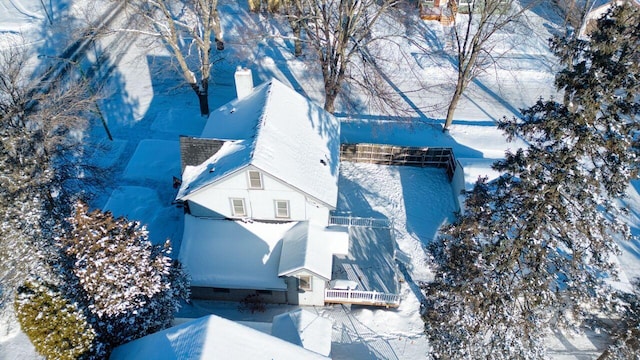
[(453, 104), (297, 41), (217, 30), (203, 96), (329, 102)]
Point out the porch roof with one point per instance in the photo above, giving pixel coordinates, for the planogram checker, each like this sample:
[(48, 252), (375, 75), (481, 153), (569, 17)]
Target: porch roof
[(309, 247)]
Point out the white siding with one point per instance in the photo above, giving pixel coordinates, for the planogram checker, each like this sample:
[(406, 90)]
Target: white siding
[(260, 203), (315, 296)]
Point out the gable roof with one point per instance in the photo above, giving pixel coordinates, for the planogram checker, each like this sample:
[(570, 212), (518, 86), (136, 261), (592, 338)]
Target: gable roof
[(306, 246), (281, 133), (304, 328), (211, 337)]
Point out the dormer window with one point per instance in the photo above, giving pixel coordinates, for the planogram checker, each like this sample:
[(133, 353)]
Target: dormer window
[(282, 209), (255, 179), (237, 208)]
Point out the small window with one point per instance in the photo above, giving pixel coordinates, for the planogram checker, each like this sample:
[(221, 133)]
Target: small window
[(255, 180), (237, 207), (282, 209), (304, 282)]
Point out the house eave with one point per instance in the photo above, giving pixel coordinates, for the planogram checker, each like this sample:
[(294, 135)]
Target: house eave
[(299, 270), (216, 181)]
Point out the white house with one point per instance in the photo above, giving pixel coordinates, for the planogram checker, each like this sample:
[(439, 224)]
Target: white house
[(258, 186)]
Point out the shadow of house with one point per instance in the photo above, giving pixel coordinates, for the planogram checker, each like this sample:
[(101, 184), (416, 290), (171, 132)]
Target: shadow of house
[(145, 122), (141, 118)]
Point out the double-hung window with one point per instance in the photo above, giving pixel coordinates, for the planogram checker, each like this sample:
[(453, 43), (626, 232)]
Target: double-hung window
[(282, 209), (238, 208), (255, 179)]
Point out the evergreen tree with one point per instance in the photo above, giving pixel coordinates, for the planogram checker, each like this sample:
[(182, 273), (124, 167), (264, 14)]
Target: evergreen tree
[(56, 327), (108, 281), (626, 332), (533, 249), (602, 88), (130, 287)]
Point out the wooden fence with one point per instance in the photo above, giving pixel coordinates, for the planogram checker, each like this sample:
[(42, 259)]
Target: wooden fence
[(400, 155), (358, 221)]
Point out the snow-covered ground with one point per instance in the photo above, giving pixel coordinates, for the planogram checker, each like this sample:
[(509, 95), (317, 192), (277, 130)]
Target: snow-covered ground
[(148, 109)]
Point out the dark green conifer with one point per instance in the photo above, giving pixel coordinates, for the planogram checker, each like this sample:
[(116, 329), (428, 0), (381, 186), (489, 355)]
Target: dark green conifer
[(55, 326), (534, 248)]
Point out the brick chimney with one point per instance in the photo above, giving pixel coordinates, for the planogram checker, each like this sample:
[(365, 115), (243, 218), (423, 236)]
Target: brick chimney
[(244, 82)]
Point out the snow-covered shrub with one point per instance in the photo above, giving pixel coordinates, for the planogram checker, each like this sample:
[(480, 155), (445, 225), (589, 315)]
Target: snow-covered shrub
[(56, 327), (129, 286), (115, 286)]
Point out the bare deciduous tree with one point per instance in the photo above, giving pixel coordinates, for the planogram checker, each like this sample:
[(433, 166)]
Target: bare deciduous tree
[(42, 122), (472, 38), (337, 31), (187, 29)]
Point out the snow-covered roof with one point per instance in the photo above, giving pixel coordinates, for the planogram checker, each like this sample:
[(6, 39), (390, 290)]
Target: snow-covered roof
[(306, 247), (304, 328), (211, 337), (281, 133), (233, 254), (231, 157)]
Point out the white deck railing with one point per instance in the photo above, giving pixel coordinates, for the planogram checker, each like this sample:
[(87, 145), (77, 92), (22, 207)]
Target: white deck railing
[(361, 297), (358, 221)]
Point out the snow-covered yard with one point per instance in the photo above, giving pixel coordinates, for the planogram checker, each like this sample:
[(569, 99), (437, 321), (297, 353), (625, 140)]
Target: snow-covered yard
[(147, 112)]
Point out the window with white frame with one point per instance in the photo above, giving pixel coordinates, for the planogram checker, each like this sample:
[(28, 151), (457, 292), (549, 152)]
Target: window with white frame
[(282, 209), (255, 179), (304, 282), (238, 208)]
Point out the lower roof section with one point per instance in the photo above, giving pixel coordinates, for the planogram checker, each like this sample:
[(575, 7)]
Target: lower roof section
[(233, 254)]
